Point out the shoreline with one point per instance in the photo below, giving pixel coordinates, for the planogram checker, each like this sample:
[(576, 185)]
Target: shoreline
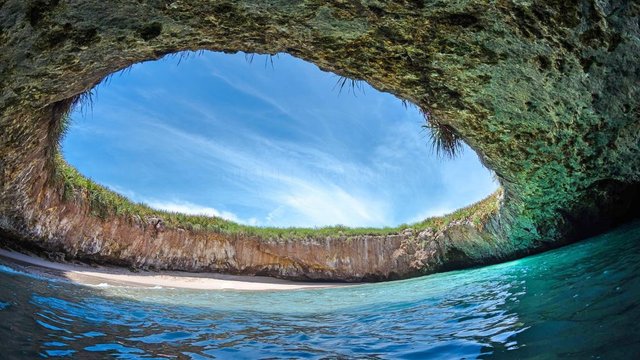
[(96, 275)]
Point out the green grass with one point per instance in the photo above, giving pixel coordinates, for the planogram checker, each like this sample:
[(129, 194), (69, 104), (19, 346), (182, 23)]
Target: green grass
[(105, 204)]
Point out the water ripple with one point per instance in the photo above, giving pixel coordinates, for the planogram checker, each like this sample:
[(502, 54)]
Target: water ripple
[(574, 302)]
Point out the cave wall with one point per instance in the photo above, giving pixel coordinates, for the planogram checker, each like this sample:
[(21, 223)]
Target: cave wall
[(547, 93)]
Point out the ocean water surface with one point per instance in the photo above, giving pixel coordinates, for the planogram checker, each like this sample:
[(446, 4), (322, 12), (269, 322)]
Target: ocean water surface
[(581, 301)]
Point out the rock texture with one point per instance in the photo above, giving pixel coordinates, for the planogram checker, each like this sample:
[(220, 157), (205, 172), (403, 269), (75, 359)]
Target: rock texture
[(546, 91)]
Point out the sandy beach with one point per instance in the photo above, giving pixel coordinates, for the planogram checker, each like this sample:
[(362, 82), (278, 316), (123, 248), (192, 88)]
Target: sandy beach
[(94, 275)]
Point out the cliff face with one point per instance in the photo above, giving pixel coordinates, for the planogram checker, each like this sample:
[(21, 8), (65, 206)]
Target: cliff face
[(67, 230), (547, 92)]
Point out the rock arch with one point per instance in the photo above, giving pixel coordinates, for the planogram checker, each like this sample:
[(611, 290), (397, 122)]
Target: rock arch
[(547, 92)]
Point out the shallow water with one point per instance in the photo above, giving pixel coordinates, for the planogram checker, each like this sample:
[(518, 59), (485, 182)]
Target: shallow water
[(582, 301)]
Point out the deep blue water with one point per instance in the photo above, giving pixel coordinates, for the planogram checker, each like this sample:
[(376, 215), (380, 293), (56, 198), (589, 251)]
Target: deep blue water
[(581, 301)]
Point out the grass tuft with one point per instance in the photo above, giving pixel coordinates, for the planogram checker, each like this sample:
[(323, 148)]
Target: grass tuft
[(444, 139), (352, 85)]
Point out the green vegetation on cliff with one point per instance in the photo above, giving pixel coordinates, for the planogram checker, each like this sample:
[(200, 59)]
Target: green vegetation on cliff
[(105, 203)]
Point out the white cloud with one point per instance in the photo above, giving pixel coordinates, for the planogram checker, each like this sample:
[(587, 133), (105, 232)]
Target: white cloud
[(195, 209), (311, 204), (299, 198), (192, 209), (179, 206), (251, 90)]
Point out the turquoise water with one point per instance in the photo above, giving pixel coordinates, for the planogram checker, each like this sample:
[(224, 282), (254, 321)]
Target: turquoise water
[(582, 301)]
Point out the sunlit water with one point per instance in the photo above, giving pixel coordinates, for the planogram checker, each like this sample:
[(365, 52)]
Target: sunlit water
[(581, 302)]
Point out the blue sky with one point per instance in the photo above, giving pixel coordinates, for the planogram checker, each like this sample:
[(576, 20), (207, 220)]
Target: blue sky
[(268, 146)]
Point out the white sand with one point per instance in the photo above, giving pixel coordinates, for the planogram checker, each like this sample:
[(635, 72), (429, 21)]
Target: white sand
[(85, 274)]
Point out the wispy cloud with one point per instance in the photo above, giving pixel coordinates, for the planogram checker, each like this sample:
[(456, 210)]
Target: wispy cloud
[(194, 209), (301, 198), (311, 205), (180, 206), (239, 85)]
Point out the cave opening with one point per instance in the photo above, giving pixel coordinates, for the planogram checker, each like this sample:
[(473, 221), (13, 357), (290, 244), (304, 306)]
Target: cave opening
[(269, 141)]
